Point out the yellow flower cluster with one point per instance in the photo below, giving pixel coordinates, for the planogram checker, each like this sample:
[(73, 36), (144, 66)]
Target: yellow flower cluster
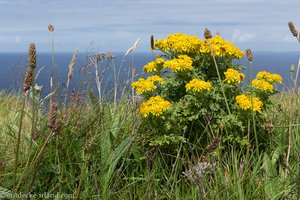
[(221, 47), (271, 78), (263, 85), (233, 76), (146, 85), (154, 65), (245, 102), (155, 106), (182, 63), (155, 79), (179, 43), (197, 85)]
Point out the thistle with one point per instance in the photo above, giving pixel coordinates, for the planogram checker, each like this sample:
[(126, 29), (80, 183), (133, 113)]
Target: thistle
[(293, 29)]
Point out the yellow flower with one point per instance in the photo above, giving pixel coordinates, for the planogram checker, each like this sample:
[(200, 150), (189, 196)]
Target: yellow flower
[(276, 78), (154, 65), (182, 63), (155, 78), (159, 61), (154, 106), (271, 78), (221, 47), (147, 85), (245, 102), (197, 85), (150, 67), (179, 43), (233, 76), (143, 85), (263, 85)]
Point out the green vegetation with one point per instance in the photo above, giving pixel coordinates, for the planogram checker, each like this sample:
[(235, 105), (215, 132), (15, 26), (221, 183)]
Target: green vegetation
[(191, 133)]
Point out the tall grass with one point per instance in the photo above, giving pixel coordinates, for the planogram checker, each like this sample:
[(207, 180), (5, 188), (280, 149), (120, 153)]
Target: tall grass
[(91, 148)]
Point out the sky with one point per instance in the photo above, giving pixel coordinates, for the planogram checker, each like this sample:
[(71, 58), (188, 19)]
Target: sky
[(114, 25)]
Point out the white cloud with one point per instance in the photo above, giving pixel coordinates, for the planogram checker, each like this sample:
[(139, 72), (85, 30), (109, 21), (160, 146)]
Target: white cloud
[(114, 24), (238, 36)]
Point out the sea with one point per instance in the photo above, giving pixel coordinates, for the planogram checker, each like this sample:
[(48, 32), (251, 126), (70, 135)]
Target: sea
[(13, 65)]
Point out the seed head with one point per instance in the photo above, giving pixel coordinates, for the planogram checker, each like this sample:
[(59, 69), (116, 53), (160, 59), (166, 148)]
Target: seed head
[(152, 42), (51, 27), (27, 80), (32, 56), (35, 134), (249, 54), (293, 29), (292, 69), (52, 116), (133, 71), (207, 34), (213, 145)]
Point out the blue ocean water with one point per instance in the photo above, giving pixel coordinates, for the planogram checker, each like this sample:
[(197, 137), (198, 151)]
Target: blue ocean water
[(13, 65)]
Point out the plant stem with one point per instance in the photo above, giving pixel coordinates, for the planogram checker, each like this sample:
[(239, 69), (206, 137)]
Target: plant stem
[(31, 134), (54, 68), (82, 175), (219, 77), (115, 83), (252, 111), (19, 140), (37, 159), (291, 119), (98, 83)]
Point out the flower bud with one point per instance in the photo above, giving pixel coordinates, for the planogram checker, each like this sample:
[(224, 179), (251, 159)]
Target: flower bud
[(292, 69)]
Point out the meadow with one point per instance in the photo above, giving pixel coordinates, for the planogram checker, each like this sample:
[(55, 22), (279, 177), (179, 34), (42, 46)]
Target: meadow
[(192, 128)]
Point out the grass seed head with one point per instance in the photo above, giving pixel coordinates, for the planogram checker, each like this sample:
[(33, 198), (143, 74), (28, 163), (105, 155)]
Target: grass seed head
[(207, 34), (152, 42), (32, 56), (293, 29), (27, 80), (213, 145), (249, 54), (52, 116), (51, 27)]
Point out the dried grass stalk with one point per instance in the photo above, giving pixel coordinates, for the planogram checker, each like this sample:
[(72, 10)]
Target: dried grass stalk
[(38, 73), (71, 67)]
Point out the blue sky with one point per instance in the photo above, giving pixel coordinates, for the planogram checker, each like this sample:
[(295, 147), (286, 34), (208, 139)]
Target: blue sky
[(114, 25)]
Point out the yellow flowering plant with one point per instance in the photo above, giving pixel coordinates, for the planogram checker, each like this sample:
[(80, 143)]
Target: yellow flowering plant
[(194, 90)]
